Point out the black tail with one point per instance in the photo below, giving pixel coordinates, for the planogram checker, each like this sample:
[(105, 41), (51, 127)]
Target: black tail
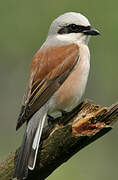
[(21, 168)]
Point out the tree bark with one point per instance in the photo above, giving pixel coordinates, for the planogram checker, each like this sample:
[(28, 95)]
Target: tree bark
[(60, 141)]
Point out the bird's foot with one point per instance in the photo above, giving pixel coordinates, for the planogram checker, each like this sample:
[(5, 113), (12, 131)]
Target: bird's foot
[(51, 120), (64, 113)]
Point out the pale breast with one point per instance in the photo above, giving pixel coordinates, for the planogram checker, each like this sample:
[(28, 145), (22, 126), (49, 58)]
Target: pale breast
[(69, 94)]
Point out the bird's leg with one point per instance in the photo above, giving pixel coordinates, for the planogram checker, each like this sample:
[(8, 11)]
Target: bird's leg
[(48, 128), (64, 113), (51, 120)]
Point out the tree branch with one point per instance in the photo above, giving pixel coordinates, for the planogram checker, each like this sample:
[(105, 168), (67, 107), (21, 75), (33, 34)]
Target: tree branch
[(72, 132)]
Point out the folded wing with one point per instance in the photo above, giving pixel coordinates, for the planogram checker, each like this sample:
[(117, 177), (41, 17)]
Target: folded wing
[(49, 69)]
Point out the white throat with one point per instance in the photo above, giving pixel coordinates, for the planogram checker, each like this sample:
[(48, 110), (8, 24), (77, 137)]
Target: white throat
[(53, 40), (73, 38)]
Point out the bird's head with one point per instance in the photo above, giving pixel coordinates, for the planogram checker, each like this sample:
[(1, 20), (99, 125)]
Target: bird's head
[(72, 27)]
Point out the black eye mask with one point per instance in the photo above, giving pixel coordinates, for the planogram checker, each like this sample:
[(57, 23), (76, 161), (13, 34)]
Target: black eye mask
[(73, 28)]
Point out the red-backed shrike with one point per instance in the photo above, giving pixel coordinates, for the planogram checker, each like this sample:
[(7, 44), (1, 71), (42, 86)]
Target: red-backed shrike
[(58, 76)]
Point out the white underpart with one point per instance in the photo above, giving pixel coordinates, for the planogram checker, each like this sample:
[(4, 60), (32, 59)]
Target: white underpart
[(76, 88), (79, 85)]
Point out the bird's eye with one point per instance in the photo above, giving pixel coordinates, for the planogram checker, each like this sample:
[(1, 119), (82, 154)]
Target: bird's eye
[(73, 26)]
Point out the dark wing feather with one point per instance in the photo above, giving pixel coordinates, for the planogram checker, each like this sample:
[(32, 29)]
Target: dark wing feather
[(41, 88)]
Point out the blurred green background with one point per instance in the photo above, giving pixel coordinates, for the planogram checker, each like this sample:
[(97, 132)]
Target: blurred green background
[(23, 28)]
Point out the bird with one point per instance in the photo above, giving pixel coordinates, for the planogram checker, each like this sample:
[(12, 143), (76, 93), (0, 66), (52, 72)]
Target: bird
[(58, 77)]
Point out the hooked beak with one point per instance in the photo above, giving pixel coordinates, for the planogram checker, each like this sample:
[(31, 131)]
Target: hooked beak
[(92, 32)]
